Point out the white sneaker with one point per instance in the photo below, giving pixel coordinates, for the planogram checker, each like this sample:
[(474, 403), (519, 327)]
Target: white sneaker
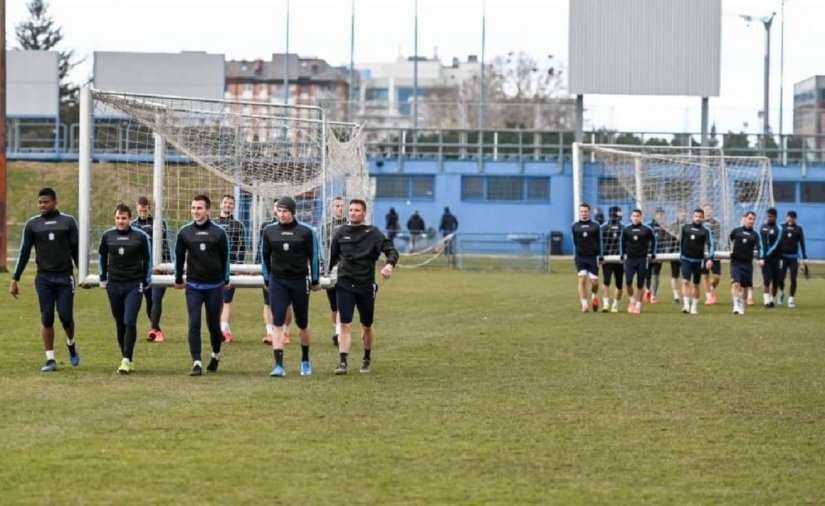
[(693, 309), (791, 303)]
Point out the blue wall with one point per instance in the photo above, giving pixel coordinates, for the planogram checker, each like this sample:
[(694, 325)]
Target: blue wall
[(544, 216)]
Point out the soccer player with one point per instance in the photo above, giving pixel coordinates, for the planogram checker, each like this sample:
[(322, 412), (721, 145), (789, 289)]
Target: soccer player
[(204, 248), (236, 233), (637, 245), (793, 246), (355, 249), (54, 237), (655, 268), (611, 233), (711, 276), (154, 295), (694, 237), (448, 225), (125, 267), (289, 264), (587, 244), (771, 236), (266, 311), (338, 220), (744, 240), (674, 234)]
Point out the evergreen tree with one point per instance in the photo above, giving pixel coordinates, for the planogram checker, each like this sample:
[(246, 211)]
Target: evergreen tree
[(39, 32)]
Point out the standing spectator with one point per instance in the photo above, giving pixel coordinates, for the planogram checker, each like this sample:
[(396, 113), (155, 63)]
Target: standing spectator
[(356, 248), (154, 295), (204, 248), (793, 246), (125, 268), (771, 236), (236, 233), (636, 246), (448, 225), (54, 238), (587, 246), (392, 225), (744, 241), (289, 264), (416, 227)]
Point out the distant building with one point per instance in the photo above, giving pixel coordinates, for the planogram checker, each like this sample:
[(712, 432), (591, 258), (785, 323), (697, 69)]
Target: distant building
[(312, 81), (809, 114)]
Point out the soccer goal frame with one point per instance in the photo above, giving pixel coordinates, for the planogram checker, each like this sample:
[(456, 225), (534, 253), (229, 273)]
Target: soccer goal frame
[(668, 178), (261, 151)]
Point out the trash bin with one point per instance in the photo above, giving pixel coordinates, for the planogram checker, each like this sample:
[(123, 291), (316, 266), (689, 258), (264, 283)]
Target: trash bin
[(556, 238)]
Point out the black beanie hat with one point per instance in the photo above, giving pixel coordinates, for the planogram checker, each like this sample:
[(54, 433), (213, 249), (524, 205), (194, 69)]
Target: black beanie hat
[(287, 203)]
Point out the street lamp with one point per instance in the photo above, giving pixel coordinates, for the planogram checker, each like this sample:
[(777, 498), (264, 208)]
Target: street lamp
[(766, 21)]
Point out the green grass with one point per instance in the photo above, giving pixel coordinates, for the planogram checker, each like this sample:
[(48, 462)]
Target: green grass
[(488, 388)]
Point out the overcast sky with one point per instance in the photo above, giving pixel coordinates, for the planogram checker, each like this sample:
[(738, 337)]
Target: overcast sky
[(249, 29)]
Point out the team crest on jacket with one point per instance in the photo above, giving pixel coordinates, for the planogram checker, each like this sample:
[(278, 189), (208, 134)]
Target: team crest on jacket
[(203, 246), (51, 236), (121, 251), (286, 246)]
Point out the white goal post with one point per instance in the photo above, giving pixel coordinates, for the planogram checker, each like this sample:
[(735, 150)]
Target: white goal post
[(673, 181), (170, 148)]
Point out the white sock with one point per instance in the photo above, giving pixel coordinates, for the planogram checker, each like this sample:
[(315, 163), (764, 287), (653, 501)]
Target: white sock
[(216, 356), (270, 329), (766, 298), (285, 328), (49, 354), (584, 302), (197, 363), (69, 342), (338, 327), (224, 326), (750, 293), (675, 294), (694, 303), (605, 301)]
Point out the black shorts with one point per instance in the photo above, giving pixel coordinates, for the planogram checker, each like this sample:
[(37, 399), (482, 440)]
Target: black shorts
[(588, 264), (55, 290), (228, 295), (692, 270), (351, 296), (716, 268), (615, 271), (635, 266), (742, 273), (286, 291)]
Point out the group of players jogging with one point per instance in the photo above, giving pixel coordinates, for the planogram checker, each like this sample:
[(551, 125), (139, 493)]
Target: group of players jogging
[(777, 249), (204, 249)]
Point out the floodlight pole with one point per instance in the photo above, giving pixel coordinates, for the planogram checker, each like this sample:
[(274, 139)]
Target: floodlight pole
[(415, 80), (781, 67), (766, 127)]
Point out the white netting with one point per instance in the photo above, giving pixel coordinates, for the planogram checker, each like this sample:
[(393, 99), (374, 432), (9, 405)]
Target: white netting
[(256, 152), (676, 181)]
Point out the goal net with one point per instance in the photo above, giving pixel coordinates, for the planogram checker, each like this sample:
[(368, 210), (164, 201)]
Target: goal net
[(669, 183), (171, 148)]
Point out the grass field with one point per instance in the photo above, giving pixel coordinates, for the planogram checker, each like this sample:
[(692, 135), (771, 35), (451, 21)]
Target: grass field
[(488, 388)]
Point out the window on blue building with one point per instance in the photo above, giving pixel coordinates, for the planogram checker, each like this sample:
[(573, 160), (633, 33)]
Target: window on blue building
[(505, 188), (405, 187), (812, 192), (472, 187), (784, 192)]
